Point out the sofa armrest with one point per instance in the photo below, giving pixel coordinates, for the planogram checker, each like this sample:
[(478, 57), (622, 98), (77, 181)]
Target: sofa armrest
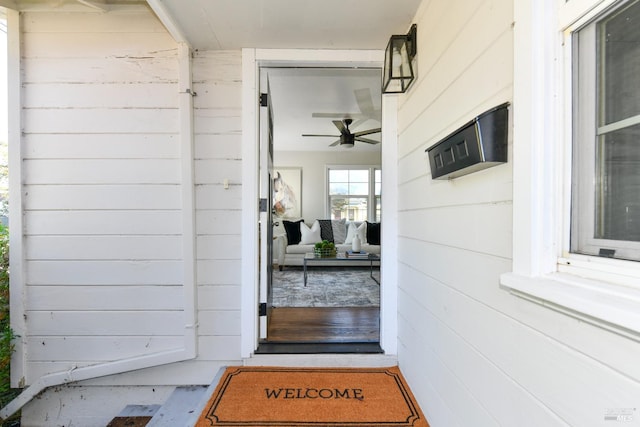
[(280, 248)]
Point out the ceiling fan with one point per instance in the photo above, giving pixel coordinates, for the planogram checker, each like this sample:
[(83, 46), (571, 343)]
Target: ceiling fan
[(346, 138)]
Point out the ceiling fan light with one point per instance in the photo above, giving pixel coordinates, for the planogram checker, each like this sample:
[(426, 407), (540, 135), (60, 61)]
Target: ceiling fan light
[(398, 71), (347, 140)]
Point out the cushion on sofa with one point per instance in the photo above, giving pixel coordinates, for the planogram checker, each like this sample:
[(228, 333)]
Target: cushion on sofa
[(292, 228), (326, 230), (339, 227), (310, 235), (333, 230), (373, 233), (360, 229)]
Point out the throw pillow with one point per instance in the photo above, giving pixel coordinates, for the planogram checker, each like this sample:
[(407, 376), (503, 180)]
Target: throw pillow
[(339, 227), (292, 228), (353, 229), (326, 230), (310, 235), (373, 233)]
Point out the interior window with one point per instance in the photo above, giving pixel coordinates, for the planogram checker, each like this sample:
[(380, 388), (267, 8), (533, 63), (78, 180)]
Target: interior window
[(354, 193), (606, 147)]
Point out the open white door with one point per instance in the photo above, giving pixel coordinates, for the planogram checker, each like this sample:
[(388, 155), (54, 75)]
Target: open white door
[(266, 191)]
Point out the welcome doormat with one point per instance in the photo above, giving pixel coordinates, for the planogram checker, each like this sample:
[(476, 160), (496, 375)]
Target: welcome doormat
[(266, 396)]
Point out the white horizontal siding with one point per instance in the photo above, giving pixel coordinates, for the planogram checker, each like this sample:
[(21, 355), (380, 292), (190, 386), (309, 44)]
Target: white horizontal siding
[(101, 189), (106, 323), (104, 196), (104, 297), (100, 120), (107, 171), (217, 147), (473, 353), (224, 146), (122, 247), (104, 272), (101, 146), (101, 70), (92, 44), (56, 349), (100, 222)]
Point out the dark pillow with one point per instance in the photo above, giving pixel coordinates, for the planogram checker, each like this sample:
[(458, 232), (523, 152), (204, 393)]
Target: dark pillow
[(326, 229), (292, 228), (373, 233)]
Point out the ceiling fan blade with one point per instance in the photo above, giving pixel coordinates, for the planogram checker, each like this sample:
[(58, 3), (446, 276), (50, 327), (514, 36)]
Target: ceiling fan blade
[(358, 122), (338, 115), (334, 144), (367, 140), (367, 132), (332, 136), (341, 127), (365, 101)]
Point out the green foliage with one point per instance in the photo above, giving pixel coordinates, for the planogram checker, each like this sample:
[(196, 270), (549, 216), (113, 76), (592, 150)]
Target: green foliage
[(7, 336)]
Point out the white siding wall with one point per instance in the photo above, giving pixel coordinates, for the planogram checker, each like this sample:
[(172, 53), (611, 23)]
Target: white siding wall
[(102, 196), (217, 78), (100, 189), (473, 353)]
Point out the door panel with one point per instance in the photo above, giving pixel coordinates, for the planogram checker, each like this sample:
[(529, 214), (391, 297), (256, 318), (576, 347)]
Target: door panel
[(266, 216)]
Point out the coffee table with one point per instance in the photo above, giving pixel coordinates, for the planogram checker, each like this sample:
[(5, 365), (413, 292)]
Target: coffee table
[(311, 258)]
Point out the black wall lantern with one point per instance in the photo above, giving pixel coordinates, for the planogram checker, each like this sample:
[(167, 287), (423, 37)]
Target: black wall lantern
[(398, 71)]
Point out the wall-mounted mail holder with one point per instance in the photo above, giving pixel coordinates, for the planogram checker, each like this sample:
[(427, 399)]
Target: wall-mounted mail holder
[(477, 145)]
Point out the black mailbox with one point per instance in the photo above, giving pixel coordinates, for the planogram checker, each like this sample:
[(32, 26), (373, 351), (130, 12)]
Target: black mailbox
[(477, 145)]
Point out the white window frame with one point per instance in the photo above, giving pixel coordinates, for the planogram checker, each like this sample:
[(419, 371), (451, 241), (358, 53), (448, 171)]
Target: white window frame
[(371, 197), (604, 292), (582, 235)]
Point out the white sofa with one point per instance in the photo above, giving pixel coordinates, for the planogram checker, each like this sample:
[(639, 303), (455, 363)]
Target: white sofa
[(286, 254)]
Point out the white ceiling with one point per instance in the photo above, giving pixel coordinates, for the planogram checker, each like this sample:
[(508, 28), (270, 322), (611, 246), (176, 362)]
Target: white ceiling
[(307, 100), (301, 24), (311, 24)]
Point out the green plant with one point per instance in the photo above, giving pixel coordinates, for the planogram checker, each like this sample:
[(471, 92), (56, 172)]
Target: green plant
[(7, 335)]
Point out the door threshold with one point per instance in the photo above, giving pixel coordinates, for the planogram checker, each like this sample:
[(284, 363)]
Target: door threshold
[(319, 348)]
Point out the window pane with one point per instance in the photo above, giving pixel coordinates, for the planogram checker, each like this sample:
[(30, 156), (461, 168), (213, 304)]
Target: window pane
[(351, 208), (618, 186), (338, 175), (620, 49), (358, 189), (359, 176), (338, 207), (338, 188), (357, 209)]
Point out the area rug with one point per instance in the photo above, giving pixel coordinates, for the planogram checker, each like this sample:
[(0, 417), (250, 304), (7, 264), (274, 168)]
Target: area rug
[(269, 396), (326, 287)]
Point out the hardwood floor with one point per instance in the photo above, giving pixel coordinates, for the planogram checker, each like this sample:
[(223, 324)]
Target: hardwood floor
[(324, 325)]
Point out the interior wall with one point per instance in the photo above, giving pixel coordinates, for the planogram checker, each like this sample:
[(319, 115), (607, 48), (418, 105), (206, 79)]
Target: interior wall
[(473, 353), (313, 164)]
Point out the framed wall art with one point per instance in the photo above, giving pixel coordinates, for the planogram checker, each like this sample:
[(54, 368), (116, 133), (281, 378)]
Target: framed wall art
[(287, 192)]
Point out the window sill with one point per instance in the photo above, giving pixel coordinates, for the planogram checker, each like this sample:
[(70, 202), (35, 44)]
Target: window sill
[(609, 306)]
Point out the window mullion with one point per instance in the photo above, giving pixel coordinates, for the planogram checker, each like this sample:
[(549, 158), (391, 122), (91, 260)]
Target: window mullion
[(621, 124)]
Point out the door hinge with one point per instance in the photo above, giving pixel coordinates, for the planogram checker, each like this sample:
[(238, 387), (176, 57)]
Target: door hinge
[(263, 205), (262, 309), (264, 99)]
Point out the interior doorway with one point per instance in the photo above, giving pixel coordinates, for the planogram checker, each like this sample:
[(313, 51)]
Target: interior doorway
[(252, 60), (319, 123)]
